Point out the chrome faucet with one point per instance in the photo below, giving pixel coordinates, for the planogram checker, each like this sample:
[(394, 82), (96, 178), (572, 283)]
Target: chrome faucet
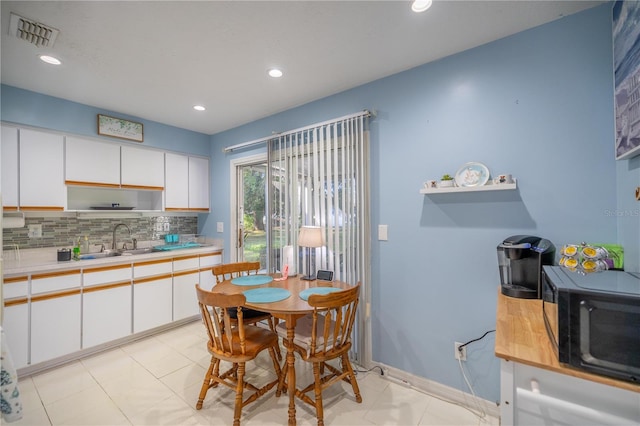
[(115, 228)]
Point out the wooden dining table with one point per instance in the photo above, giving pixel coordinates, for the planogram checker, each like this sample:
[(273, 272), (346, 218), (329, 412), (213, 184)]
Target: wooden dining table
[(289, 310)]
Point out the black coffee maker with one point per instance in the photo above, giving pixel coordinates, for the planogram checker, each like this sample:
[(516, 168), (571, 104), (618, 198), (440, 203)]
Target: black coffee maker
[(520, 259)]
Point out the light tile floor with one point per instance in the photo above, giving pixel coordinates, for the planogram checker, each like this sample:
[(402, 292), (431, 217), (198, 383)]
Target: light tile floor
[(156, 381)]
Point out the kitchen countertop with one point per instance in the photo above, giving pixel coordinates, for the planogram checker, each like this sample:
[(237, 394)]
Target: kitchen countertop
[(45, 259), (521, 337)]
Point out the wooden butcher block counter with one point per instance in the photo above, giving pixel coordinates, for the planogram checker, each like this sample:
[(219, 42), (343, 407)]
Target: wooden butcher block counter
[(521, 337)]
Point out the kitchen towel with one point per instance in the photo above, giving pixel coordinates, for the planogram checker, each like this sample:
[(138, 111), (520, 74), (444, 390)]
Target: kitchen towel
[(10, 403)]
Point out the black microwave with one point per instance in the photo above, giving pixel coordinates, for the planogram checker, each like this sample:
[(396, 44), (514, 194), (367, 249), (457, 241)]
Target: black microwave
[(593, 320)]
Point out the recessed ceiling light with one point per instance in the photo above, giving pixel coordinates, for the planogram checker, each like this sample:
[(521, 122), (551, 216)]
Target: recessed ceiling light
[(275, 73), (50, 60), (199, 108), (420, 5)]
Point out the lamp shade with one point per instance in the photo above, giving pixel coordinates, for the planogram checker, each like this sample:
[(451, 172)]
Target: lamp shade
[(310, 236)]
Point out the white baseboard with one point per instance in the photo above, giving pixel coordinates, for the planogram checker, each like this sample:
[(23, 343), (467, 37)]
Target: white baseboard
[(439, 390)]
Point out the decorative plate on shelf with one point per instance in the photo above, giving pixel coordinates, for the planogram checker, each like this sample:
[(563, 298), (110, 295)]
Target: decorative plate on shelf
[(472, 174)]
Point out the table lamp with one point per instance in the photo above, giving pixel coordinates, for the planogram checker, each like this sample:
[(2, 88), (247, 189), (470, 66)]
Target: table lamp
[(310, 237)]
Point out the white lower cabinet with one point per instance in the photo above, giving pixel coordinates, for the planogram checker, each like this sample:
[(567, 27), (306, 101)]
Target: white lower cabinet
[(207, 262), (55, 315), (106, 304), (70, 310), (16, 318), (152, 294), (534, 396), (16, 330), (185, 301), (185, 278)]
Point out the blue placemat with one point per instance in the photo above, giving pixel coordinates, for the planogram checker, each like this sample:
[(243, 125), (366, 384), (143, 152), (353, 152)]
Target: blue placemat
[(252, 280), (304, 294), (266, 295)]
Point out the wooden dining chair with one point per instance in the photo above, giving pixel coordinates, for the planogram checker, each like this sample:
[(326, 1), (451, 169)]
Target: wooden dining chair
[(235, 342), (322, 336), (229, 271)]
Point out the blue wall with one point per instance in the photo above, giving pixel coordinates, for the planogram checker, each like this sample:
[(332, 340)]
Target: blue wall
[(38, 110), (538, 105)]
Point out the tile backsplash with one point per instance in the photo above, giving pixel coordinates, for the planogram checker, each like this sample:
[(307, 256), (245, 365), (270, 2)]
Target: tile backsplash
[(65, 231)]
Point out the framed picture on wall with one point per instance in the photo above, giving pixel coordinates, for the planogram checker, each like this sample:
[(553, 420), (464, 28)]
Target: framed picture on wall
[(119, 128), (626, 62)]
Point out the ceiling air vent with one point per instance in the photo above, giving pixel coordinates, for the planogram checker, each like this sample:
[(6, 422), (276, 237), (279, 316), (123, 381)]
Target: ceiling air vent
[(31, 31)]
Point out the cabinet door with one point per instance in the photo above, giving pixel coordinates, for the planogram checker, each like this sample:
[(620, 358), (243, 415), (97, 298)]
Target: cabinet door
[(106, 304), (152, 303), (15, 291), (106, 313), (16, 329), (176, 189), (543, 397), (142, 168), (185, 301), (41, 171), (207, 261), (9, 156), (198, 184), (92, 163), (55, 325)]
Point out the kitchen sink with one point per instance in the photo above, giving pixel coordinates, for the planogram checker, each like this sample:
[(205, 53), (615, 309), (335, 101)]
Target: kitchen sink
[(112, 253), (100, 255), (135, 251)]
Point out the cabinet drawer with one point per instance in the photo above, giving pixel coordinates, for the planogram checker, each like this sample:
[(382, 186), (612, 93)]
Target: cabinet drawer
[(54, 281), (209, 260), (186, 263), (107, 274), (545, 397), (15, 287), (152, 267)]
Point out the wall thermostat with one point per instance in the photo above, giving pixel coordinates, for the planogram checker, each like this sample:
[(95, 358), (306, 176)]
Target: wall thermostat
[(323, 275)]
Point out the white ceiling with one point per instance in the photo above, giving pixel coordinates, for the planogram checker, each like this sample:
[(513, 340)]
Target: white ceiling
[(156, 59)]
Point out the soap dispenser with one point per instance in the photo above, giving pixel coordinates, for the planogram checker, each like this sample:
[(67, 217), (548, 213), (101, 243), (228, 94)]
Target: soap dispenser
[(76, 250), (85, 245)]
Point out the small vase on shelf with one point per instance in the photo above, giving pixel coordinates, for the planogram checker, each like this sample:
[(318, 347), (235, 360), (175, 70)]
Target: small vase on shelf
[(446, 181)]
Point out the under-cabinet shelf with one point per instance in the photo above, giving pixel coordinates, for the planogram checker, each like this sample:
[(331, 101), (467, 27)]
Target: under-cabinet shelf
[(490, 186)]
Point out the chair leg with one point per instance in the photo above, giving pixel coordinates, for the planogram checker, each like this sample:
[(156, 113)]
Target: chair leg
[(352, 376), (318, 393), (207, 382), (237, 412)]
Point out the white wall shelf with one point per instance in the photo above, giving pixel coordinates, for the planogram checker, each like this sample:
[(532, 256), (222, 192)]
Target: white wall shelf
[(490, 186)]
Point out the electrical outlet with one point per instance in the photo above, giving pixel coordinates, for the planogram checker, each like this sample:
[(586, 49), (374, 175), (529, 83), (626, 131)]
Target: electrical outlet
[(159, 227), (167, 227), (35, 231), (458, 353)]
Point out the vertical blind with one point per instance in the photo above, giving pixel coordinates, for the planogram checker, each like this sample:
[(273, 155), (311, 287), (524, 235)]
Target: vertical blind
[(320, 177)]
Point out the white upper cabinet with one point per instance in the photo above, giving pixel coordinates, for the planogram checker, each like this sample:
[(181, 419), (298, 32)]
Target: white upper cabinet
[(176, 188), (92, 163), (142, 168), (187, 183), (198, 184), (9, 156), (41, 171)]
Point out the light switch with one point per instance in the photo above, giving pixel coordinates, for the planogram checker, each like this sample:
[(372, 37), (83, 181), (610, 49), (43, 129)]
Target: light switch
[(220, 226), (382, 232)]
